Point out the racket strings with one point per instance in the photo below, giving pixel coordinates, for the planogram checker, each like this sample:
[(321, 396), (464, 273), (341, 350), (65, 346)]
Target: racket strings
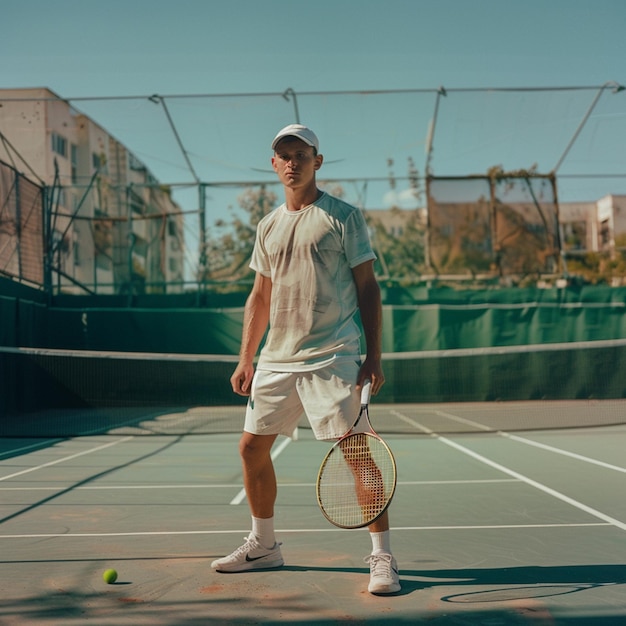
[(356, 481), (368, 480)]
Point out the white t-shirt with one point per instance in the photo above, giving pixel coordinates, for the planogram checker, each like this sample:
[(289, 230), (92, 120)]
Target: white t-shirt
[(308, 254)]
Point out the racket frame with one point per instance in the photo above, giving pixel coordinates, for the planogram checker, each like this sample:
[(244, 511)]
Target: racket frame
[(362, 426)]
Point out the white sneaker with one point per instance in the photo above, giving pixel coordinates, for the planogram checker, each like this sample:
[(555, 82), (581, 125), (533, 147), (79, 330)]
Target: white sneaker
[(384, 576), (251, 555)]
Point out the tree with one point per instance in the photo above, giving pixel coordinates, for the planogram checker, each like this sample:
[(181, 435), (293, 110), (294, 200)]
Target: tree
[(401, 251), (401, 254), (228, 252)]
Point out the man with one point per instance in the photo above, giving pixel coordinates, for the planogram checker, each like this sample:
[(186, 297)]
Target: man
[(314, 268)]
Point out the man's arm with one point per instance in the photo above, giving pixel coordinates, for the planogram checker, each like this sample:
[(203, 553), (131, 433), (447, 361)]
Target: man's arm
[(370, 308), (255, 319)]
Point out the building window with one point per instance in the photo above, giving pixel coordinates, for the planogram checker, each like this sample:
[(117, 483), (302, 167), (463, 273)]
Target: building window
[(59, 145), (605, 233), (137, 204), (76, 249), (74, 162), (575, 235), (134, 163), (62, 197)]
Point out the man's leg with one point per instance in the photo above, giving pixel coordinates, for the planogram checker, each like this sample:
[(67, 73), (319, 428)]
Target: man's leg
[(260, 550), (383, 567), (259, 478), (330, 393), (380, 534), (380, 525)]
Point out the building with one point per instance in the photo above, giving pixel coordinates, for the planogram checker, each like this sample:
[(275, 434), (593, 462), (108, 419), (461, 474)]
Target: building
[(395, 220), (112, 228), (593, 226), (461, 234)]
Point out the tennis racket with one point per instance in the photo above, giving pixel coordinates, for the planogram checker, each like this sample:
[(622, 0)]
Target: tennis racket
[(357, 478)]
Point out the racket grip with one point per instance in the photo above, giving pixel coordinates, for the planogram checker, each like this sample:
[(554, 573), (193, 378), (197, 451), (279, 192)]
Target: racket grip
[(366, 391)]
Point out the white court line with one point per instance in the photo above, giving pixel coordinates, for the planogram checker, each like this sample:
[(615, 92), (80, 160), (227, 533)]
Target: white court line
[(555, 494), (480, 481), (239, 498), (142, 487), (39, 444), (160, 533), (411, 422), (65, 458), (533, 483), (507, 435), (463, 420), (579, 457)]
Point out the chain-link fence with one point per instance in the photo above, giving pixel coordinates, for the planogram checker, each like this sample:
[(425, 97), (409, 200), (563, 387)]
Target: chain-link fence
[(21, 227), (161, 194)]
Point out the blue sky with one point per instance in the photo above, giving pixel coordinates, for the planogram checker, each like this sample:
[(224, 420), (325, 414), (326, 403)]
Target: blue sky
[(86, 48), (121, 47)]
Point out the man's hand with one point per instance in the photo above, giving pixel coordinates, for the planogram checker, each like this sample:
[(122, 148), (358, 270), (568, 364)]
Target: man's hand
[(368, 293), (255, 320), (241, 380), (371, 370)]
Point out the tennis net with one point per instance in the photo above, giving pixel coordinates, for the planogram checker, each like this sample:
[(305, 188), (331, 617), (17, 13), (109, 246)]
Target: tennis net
[(64, 393)]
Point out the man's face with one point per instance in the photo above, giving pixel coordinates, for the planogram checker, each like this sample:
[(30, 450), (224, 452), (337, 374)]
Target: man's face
[(295, 162)]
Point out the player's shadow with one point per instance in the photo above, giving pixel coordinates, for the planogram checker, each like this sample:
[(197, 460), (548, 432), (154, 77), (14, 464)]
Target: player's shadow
[(504, 583)]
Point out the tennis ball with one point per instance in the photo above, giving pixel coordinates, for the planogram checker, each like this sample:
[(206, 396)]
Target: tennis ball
[(109, 576)]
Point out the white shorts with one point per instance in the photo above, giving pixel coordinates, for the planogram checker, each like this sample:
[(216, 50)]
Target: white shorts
[(326, 396)]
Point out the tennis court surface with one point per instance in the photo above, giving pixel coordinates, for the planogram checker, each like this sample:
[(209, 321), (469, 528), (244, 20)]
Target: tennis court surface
[(505, 513)]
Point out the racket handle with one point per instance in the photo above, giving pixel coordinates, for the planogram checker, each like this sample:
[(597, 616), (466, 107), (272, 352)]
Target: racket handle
[(366, 391)]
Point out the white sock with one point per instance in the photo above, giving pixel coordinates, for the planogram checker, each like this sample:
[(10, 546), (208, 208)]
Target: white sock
[(381, 542), (263, 530)]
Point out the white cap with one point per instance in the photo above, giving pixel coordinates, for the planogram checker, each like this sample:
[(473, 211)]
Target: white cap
[(299, 131)]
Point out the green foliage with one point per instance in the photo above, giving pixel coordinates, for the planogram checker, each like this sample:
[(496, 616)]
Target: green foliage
[(401, 255), (229, 247), (401, 251), (599, 268)]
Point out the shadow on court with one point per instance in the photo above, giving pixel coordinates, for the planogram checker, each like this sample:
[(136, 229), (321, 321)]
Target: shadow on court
[(160, 509), (90, 479), (236, 599)]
